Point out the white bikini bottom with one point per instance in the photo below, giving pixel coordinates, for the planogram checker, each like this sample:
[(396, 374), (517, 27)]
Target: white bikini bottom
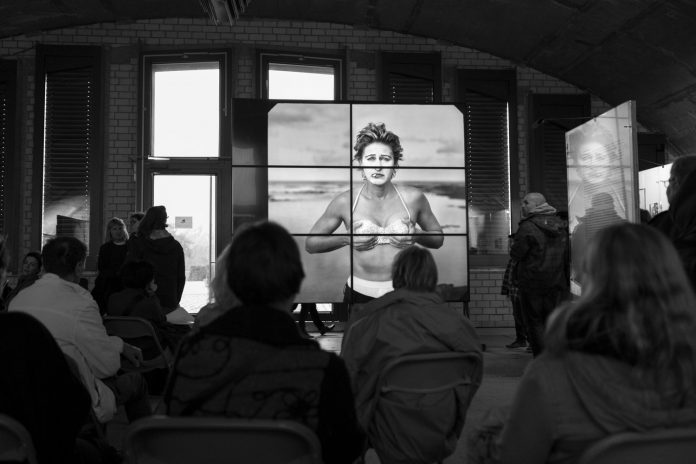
[(371, 288)]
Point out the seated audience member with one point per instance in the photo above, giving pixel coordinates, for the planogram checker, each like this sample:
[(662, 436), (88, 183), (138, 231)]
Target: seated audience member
[(72, 316), (621, 358), (154, 244), (112, 255), (31, 363), (412, 319), (139, 299), (31, 269), (252, 362)]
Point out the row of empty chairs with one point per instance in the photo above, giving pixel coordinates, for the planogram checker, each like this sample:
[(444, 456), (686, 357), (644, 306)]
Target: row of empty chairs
[(184, 440)]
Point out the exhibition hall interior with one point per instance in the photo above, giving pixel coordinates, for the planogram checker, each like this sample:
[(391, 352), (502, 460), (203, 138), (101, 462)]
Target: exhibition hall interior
[(364, 129)]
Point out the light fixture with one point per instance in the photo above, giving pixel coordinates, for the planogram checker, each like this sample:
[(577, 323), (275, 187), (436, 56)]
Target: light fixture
[(224, 11)]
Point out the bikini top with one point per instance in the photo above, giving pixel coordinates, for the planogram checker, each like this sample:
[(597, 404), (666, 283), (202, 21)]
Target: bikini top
[(397, 227)]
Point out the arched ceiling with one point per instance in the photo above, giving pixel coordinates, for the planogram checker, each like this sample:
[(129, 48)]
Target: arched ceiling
[(644, 50)]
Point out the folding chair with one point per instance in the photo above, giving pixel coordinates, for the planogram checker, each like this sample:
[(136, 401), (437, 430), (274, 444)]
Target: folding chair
[(428, 373), (217, 440), (138, 329), (673, 446), (15, 442)]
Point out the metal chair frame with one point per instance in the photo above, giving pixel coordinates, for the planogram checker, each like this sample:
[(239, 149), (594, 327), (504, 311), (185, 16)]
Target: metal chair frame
[(673, 446), (15, 442), (218, 440)]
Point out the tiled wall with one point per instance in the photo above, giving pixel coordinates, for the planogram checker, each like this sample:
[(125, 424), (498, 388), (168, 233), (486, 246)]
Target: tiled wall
[(123, 43)]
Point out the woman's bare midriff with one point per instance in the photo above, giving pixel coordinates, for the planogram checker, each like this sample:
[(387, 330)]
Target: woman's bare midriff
[(374, 264)]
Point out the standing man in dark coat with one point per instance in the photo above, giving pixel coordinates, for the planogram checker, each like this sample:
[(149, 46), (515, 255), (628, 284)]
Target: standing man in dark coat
[(679, 221), (541, 251)]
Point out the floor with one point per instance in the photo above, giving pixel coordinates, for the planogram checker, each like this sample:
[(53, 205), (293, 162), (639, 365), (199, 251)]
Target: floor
[(501, 374)]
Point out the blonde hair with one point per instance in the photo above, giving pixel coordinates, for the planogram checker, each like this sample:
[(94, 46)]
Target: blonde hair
[(637, 306), (112, 222)]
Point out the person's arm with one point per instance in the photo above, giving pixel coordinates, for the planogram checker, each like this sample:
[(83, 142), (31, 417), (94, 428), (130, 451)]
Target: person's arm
[(527, 437), (521, 246), (327, 225), (101, 351), (102, 259), (181, 274)]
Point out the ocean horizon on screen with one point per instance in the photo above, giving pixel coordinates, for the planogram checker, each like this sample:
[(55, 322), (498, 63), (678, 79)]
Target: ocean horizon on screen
[(296, 205)]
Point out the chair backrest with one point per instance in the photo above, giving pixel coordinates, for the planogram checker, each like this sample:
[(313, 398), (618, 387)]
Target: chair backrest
[(15, 442), (128, 327), (217, 440), (673, 446), (429, 372)]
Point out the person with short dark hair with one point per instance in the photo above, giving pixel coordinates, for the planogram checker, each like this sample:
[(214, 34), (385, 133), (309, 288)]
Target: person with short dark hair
[(412, 319), (134, 222), (72, 316), (31, 270), (252, 362), (678, 223), (139, 299), (620, 358), (154, 244)]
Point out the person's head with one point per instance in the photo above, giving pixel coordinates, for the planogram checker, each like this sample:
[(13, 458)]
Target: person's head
[(263, 265), (378, 152), (681, 168), (637, 304), (115, 231), (31, 264), (603, 201), (596, 155), (155, 219), (137, 274), (134, 221), (414, 269), (531, 201), (64, 256)]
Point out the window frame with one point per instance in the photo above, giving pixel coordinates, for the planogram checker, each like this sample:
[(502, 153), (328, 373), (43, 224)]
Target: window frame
[(147, 166), (501, 83), (412, 63), (68, 55), (12, 182), (307, 58)]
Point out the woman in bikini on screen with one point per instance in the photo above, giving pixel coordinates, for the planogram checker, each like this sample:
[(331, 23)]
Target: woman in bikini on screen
[(383, 218)]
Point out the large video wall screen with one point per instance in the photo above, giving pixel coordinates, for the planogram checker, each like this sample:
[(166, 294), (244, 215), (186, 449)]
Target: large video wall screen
[(291, 160)]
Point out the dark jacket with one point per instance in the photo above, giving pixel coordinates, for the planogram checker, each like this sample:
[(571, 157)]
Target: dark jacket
[(135, 302), (404, 428), (679, 224), (541, 252), (38, 389), (252, 362), (109, 261), (167, 256)]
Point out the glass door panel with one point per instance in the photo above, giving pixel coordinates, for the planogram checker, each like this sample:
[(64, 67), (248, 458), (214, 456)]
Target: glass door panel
[(190, 203)]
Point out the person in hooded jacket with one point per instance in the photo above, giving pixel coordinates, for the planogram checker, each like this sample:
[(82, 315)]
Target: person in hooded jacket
[(412, 319), (678, 223), (620, 358), (157, 246), (541, 251)]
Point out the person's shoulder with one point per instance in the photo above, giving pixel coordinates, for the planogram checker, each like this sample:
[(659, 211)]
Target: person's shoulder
[(409, 192)]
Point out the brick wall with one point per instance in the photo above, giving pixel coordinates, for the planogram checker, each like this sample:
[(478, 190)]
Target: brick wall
[(124, 41)]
